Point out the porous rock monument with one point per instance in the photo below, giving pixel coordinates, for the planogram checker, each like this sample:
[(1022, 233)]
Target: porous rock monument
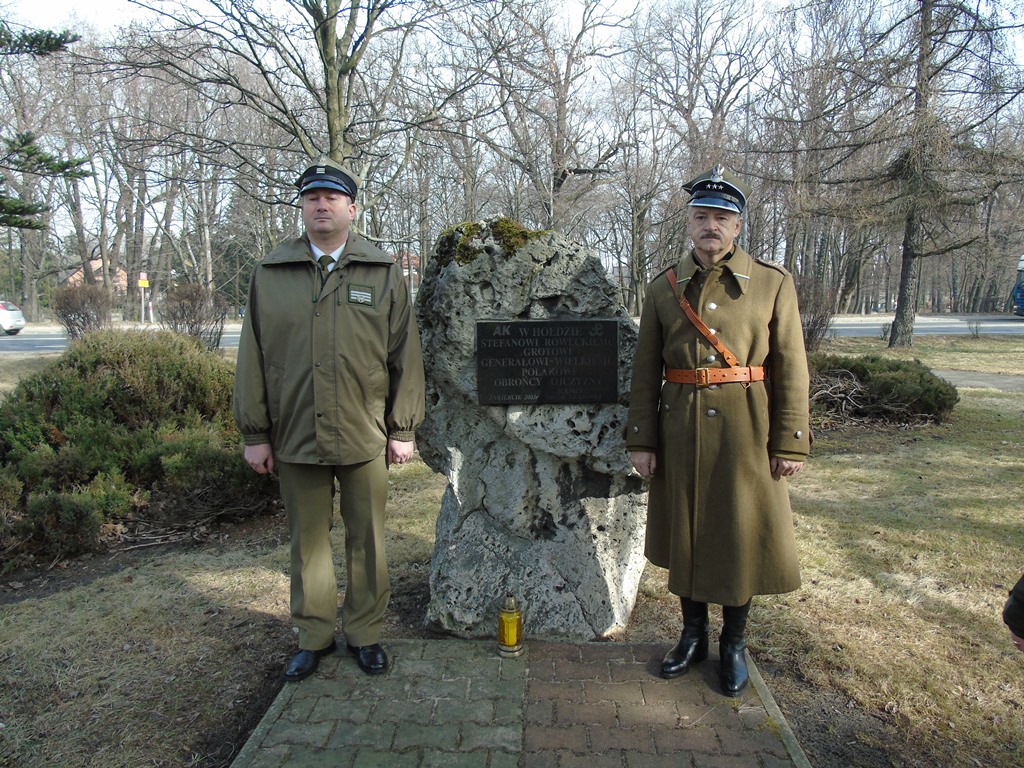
[(541, 503)]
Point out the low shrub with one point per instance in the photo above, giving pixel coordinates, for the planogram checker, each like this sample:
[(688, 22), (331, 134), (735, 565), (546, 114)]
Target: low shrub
[(10, 507), (82, 309), (64, 524), (195, 311), (148, 378), (874, 386), (198, 474), (817, 309), (126, 426)]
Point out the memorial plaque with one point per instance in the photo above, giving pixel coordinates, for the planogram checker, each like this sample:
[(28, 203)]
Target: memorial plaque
[(537, 362)]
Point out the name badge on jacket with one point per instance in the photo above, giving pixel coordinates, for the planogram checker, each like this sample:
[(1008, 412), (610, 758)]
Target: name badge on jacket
[(361, 294)]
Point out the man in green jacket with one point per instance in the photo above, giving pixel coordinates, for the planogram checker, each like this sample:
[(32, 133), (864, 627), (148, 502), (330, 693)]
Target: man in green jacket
[(718, 420), (329, 392)]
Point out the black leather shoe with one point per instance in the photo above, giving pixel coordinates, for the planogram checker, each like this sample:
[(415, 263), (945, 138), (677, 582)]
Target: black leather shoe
[(305, 662), (691, 649), (370, 658), (733, 674)]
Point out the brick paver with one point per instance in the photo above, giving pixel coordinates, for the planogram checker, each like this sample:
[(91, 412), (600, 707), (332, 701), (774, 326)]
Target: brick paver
[(457, 704)]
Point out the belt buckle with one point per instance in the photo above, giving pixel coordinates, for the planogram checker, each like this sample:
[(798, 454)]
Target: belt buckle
[(701, 377)]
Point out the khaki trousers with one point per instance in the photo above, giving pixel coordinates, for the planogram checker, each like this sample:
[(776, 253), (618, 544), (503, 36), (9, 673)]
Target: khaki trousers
[(308, 491)]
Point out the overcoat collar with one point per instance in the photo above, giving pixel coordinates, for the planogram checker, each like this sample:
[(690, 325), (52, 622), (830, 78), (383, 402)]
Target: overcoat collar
[(740, 265), (356, 249)]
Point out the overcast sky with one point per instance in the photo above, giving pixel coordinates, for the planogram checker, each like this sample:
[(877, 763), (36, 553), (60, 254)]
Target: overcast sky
[(59, 14), (108, 14)]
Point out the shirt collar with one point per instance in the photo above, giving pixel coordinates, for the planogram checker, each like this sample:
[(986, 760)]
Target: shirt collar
[(335, 254)]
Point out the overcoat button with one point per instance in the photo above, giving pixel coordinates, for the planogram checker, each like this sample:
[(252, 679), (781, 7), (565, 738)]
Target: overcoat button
[(712, 386), (712, 305), (712, 331), (636, 429), (712, 412), (798, 434), (710, 358)]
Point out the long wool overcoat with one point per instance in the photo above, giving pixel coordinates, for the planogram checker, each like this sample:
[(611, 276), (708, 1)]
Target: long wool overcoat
[(717, 519)]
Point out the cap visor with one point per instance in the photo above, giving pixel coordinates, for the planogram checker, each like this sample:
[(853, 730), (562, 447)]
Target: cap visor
[(715, 202), (324, 184)]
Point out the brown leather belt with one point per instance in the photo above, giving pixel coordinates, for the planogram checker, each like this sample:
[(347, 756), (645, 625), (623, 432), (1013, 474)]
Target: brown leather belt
[(704, 377)]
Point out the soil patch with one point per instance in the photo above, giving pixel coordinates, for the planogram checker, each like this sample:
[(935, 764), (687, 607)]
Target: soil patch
[(832, 730)]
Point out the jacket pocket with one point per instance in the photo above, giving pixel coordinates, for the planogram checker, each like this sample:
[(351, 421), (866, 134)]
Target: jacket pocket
[(377, 390), (275, 376)]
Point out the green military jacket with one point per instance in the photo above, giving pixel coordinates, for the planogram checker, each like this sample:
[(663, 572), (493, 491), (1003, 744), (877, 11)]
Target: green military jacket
[(717, 519), (328, 374)]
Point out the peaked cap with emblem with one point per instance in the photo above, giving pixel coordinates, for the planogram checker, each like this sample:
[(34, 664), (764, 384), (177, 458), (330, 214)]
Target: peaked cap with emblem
[(327, 174), (718, 188)]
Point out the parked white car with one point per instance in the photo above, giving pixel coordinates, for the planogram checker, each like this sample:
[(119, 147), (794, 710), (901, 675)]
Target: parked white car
[(11, 319)]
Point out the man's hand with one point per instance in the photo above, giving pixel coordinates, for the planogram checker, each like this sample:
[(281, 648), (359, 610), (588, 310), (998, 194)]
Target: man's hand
[(644, 462), (399, 451), (260, 457), (1017, 641), (784, 467)]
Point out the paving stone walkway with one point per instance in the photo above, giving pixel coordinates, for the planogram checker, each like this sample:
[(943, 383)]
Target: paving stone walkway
[(457, 704)]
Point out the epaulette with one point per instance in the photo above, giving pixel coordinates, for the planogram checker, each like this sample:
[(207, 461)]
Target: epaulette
[(772, 265)]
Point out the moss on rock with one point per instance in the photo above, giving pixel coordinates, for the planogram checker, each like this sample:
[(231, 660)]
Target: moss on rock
[(463, 242)]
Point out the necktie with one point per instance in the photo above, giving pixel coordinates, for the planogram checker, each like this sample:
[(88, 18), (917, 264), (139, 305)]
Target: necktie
[(325, 262)]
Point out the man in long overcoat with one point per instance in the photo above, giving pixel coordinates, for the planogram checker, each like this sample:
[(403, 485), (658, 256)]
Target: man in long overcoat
[(718, 420), (329, 392)]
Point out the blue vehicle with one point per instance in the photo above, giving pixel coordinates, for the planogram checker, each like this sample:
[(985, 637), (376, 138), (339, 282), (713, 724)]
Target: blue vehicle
[(1018, 290)]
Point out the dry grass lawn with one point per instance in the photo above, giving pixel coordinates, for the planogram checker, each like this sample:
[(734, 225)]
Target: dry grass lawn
[(892, 653)]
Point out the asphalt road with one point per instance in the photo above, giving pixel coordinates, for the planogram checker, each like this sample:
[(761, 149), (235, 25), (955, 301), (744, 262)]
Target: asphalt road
[(39, 338), (871, 325)]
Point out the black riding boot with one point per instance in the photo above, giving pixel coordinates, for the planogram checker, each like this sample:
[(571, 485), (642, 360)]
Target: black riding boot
[(693, 642), (731, 646)]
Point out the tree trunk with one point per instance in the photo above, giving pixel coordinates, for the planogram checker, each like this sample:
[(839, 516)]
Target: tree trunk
[(138, 245), (31, 245), (902, 332)]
